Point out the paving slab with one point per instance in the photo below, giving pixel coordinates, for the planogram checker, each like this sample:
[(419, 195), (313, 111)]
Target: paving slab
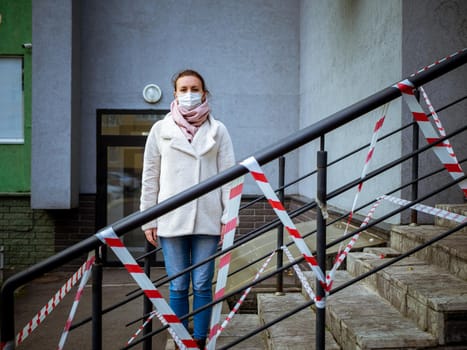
[(116, 284)]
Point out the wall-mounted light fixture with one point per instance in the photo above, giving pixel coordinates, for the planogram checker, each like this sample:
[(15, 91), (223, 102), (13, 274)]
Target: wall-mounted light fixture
[(152, 93)]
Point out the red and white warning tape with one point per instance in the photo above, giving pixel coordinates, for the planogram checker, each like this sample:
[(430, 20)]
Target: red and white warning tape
[(378, 125), (438, 123), (165, 313), (79, 293), (140, 329), (51, 304), (300, 274), (233, 206), (255, 170), (239, 303), (428, 210), (252, 165), (442, 150), (439, 61), (340, 257)]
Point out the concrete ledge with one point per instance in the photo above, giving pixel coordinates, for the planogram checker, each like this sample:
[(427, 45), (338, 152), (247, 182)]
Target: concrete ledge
[(460, 209)]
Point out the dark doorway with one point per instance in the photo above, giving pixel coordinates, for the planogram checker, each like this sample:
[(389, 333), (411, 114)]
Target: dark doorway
[(121, 136)]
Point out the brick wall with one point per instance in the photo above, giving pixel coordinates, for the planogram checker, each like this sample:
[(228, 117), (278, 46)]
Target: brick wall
[(75, 225), (29, 236), (260, 213)]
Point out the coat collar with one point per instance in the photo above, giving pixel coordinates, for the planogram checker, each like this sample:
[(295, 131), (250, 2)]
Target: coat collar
[(202, 143)]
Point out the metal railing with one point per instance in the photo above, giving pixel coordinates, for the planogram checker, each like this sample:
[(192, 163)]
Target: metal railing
[(316, 131)]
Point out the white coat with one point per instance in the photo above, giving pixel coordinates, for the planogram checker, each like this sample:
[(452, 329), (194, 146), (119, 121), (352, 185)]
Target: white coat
[(172, 164)]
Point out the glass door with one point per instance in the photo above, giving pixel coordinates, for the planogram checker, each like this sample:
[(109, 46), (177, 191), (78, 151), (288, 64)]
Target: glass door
[(120, 148)]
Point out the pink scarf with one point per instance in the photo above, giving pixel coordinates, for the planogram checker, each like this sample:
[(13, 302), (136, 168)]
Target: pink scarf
[(189, 121)]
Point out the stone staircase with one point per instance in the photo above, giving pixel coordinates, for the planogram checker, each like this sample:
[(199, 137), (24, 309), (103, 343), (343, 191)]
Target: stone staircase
[(418, 303)]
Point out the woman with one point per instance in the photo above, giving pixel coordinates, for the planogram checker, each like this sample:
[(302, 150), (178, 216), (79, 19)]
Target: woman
[(185, 148)]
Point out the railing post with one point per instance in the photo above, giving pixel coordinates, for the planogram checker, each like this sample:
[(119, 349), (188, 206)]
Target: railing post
[(321, 245), (415, 164), (147, 304), (7, 306), (280, 230), (97, 302)]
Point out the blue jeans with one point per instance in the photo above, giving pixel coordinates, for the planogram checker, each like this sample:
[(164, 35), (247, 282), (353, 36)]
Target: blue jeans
[(179, 254)]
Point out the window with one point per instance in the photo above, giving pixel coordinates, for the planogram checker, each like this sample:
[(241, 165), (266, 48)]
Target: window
[(11, 100)]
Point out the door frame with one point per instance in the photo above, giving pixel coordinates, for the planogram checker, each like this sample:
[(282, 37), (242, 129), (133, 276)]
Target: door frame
[(102, 143)]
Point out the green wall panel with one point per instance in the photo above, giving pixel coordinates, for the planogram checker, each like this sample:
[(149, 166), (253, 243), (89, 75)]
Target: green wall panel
[(15, 30)]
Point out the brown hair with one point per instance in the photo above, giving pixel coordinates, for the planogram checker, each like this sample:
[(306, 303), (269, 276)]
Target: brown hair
[(189, 72)]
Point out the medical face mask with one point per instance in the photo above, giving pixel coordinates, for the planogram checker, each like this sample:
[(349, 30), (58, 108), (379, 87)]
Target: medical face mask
[(189, 100)]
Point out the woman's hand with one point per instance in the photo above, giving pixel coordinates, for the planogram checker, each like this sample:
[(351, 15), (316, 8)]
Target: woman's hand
[(222, 234), (151, 235)]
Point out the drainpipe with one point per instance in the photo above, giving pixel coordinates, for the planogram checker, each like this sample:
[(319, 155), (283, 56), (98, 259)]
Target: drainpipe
[(2, 262)]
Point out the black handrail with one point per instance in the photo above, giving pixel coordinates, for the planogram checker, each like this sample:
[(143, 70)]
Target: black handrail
[(301, 259), (344, 285), (264, 156)]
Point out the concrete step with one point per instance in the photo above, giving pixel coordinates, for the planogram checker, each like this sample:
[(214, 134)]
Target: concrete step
[(240, 325), (460, 209), (427, 294), (296, 332), (359, 318), (450, 252), (262, 246)]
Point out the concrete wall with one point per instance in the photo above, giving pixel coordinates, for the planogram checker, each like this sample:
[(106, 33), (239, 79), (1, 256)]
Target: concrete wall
[(248, 52), (272, 67), (54, 139), (432, 30), (348, 51)]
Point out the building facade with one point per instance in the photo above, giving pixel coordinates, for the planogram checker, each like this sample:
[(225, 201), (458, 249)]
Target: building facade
[(272, 67)]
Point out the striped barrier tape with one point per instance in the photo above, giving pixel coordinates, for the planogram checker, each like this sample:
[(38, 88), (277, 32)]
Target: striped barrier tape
[(340, 257), (258, 175), (79, 293), (51, 305), (444, 214), (165, 314), (441, 149), (233, 206), (377, 128), (300, 275), (234, 310), (439, 61), (438, 123), (140, 329)]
